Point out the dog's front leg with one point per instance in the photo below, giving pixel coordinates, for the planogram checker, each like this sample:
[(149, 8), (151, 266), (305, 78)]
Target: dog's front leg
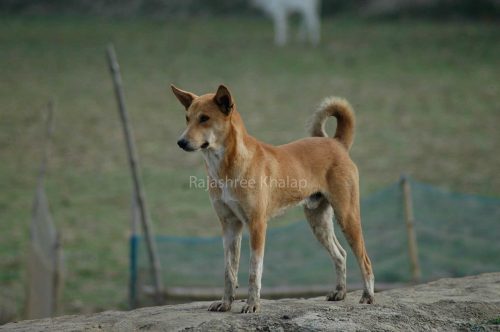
[(257, 230), (232, 229)]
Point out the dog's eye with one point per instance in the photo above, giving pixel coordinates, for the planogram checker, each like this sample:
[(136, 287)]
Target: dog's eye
[(187, 118), (204, 118)]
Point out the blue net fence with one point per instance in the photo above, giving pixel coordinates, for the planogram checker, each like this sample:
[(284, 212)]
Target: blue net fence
[(457, 235)]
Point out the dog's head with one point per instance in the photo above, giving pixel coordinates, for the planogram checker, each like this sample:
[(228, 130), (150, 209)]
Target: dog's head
[(207, 118)]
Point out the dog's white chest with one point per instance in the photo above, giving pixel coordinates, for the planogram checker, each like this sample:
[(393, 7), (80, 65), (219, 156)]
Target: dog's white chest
[(226, 195), (236, 208), (232, 202), (213, 160)]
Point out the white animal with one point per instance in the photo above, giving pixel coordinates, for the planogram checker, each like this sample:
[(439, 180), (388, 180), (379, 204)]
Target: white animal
[(279, 10)]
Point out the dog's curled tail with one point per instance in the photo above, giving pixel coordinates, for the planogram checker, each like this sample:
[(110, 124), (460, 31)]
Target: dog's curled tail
[(340, 109)]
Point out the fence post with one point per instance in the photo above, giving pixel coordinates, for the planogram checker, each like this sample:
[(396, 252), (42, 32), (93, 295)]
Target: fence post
[(134, 222), (44, 281), (410, 228), (133, 161)]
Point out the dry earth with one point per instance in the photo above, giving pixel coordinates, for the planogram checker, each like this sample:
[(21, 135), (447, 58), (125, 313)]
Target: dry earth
[(463, 304)]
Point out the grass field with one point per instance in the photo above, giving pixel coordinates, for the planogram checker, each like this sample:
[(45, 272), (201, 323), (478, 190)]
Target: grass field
[(427, 98)]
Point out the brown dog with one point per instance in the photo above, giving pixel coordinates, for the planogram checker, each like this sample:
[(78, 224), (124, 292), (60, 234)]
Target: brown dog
[(255, 181)]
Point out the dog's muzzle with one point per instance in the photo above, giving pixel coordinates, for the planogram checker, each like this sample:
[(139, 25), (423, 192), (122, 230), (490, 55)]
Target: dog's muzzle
[(184, 145)]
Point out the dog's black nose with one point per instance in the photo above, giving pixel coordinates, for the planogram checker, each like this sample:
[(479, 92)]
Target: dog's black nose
[(182, 143)]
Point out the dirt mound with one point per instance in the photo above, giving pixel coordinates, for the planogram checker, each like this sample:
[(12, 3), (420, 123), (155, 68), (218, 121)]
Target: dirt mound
[(471, 303)]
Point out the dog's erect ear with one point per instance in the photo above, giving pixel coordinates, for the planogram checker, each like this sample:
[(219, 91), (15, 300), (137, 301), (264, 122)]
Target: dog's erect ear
[(186, 98), (224, 100)]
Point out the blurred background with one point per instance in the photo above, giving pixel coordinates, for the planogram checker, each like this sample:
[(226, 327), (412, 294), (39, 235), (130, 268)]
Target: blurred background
[(422, 77)]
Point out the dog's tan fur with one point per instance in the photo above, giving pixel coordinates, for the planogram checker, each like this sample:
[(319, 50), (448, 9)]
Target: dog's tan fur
[(322, 164)]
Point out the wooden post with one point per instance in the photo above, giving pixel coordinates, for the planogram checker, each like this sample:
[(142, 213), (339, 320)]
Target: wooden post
[(49, 126), (133, 161), (44, 281), (134, 222), (409, 220), (58, 257)]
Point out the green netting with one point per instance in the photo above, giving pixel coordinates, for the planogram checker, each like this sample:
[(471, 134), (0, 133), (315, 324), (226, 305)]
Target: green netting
[(457, 235)]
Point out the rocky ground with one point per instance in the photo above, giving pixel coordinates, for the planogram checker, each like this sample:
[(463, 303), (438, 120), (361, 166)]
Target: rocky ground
[(471, 303)]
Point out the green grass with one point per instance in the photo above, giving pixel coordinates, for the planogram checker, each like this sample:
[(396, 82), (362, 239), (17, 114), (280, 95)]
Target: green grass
[(426, 96)]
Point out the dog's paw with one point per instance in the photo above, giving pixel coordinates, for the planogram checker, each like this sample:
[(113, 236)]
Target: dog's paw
[(251, 307), (337, 295), (367, 298), (219, 306)]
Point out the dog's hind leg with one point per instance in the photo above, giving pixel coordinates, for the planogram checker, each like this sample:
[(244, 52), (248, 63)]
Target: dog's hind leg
[(347, 212), (232, 229), (320, 218), (354, 235)]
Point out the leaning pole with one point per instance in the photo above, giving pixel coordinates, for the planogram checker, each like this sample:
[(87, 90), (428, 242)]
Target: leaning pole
[(137, 182)]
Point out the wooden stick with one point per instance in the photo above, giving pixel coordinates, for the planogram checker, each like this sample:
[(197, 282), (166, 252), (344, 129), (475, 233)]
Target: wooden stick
[(409, 220), (133, 161), (58, 254), (49, 125), (47, 305)]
